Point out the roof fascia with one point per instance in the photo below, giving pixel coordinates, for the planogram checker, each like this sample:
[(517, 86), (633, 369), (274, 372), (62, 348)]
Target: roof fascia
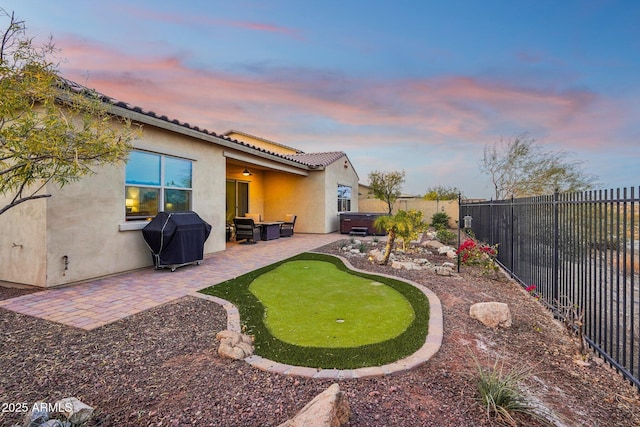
[(173, 127), (267, 164)]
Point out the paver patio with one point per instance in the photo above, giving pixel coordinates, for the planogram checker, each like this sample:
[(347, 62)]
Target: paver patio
[(91, 304)]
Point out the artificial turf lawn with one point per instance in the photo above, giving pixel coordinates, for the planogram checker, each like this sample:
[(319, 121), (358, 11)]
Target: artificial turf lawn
[(252, 314), (313, 303)]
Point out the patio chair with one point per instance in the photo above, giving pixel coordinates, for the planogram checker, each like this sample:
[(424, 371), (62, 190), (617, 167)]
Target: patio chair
[(254, 216), (286, 229), (247, 230)]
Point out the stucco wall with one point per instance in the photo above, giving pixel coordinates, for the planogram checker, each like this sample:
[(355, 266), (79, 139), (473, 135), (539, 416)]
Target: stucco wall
[(339, 172), (23, 242), (85, 220), (298, 195), (427, 207)]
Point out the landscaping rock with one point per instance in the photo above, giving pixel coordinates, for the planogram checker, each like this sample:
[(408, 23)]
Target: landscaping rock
[(448, 251), (491, 314), (328, 409), (443, 271), (76, 411), (234, 345), (37, 415), (56, 423), (422, 261), (405, 265), (376, 255), (435, 244)]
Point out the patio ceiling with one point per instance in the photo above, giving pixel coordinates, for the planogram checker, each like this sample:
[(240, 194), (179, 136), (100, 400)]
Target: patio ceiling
[(254, 162)]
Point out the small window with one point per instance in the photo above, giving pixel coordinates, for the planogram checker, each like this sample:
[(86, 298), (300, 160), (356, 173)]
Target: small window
[(344, 198), (155, 182)]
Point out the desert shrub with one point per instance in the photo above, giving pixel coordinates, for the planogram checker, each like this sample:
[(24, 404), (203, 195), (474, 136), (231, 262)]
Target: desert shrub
[(446, 236), (440, 220), (499, 393)]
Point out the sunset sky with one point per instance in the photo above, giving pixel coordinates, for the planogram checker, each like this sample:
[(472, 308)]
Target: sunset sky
[(419, 86)]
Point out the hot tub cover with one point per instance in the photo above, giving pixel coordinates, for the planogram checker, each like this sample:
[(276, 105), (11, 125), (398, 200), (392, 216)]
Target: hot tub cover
[(176, 238)]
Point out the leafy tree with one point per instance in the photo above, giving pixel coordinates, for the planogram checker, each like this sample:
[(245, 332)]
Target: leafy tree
[(404, 224), (442, 193), (49, 133), (520, 167), (386, 186)]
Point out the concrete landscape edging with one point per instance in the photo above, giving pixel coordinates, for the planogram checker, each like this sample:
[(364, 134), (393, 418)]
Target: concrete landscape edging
[(430, 347)]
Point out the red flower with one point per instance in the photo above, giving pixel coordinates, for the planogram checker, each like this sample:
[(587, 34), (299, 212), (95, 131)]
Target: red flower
[(530, 288)]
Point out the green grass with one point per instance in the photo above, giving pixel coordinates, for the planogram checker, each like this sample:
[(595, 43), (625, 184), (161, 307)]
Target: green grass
[(313, 303), (398, 337)]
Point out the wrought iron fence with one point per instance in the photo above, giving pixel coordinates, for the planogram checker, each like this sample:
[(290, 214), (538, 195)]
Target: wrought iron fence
[(581, 251)]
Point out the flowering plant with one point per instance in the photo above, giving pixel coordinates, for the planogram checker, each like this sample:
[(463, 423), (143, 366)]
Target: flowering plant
[(472, 253), (532, 290)]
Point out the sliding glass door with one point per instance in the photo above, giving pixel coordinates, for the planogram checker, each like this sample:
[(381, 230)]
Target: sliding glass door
[(237, 199)]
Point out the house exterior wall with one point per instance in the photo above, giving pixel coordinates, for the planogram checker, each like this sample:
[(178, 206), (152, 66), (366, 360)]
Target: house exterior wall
[(301, 196), (23, 243), (85, 220), (314, 199), (80, 232), (339, 172), (256, 192)]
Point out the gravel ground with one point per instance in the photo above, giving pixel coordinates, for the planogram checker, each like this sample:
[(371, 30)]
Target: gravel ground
[(161, 368)]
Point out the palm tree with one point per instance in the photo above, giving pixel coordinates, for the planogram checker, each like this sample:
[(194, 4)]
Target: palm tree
[(401, 223)]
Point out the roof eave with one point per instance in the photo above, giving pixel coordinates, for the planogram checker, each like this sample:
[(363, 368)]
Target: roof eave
[(141, 117)]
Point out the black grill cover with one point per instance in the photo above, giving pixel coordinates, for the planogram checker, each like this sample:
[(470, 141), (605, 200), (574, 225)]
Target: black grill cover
[(176, 238)]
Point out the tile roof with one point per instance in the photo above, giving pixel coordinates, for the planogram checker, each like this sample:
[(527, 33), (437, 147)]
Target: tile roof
[(316, 159), (310, 160), (232, 131)]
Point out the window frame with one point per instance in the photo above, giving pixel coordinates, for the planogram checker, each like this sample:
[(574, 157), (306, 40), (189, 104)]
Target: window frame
[(344, 203), (161, 203)]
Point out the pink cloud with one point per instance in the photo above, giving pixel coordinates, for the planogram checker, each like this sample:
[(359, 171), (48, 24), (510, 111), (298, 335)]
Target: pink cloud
[(286, 105), (189, 20)]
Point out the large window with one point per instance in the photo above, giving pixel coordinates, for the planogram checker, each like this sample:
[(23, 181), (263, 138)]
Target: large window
[(155, 183), (344, 198)]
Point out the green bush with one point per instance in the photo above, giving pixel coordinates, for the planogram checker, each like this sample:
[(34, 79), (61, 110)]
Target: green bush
[(440, 220), (446, 236)]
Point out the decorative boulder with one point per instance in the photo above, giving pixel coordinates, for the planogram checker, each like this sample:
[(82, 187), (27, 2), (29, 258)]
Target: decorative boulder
[(448, 251), (376, 255), (328, 409), (445, 249), (56, 423), (36, 415), (406, 265), (443, 270), (77, 412), (234, 345), (491, 314), (432, 243)]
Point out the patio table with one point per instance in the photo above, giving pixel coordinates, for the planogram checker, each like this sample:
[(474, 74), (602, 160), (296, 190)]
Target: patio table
[(269, 230)]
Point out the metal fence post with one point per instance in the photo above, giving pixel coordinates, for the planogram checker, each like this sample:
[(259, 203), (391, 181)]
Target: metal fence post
[(556, 244), (512, 238), (459, 225), (492, 239)]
